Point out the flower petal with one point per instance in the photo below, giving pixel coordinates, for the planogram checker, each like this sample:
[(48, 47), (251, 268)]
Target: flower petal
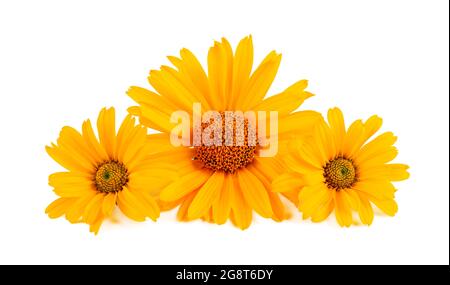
[(287, 182), (109, 203), (287, 101), (206, 196), (336, 121), (254, 193), (260, 82), (241, 213), (107, 130), (59, 207), (128, 207), (343, 210), (93, 209), (365, 210), (185, 185), (242, 67), (222, 206)]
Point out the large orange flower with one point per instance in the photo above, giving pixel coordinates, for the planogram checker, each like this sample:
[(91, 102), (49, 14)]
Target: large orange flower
[(221, 182)]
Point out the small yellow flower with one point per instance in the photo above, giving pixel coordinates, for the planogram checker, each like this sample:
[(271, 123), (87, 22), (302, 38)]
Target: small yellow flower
[(103, 174), (218, 183), (336, 169)]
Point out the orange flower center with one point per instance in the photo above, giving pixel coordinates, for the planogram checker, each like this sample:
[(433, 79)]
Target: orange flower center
[(111, 177), (235, 150), (339, 173)]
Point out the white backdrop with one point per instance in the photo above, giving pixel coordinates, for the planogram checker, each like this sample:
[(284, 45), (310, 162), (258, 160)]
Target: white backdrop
[(62, 61)]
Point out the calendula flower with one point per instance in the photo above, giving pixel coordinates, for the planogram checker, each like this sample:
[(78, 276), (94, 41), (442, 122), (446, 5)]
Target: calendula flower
[(337, 169), (218, 182), (103, 174)]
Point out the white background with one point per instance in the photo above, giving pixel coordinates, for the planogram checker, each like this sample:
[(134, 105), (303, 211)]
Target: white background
[(62, 61)]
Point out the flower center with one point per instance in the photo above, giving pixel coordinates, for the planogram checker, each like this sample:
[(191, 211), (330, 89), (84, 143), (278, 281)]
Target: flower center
[(339, 173), (110, 177), (238, 144)]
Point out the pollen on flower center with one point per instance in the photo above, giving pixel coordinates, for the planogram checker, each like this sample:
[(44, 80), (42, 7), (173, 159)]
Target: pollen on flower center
[(339, 173), (110, 177), (230, 155)]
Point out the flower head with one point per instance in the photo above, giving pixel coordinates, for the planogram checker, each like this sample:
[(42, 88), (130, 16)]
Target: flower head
[(102, 174), (226, 180), (337, 169)]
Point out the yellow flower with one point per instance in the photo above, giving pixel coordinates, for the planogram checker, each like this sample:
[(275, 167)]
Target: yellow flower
[(221, 182), (103, 174), (335, 169)]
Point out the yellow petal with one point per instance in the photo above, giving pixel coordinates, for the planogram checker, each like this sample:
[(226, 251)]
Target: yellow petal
[(107, 130), (323, 211), (377, 188), (371, 126), (352, 197), (389, 207), (397, 171), (162, 81), (140, 204), (128, 206), (379, 145), (93, 209), (287, 101), (150, 99), (354, 139), (392, 172), (109, 203), (73, 191), (301, 158), (196, 73), (222, 206), (214, 76), (181, 85), (270, 167), (311, 198), (254, 193), (299, 123), (185, 185), (155, 119), (148, 204), (185, 204), (95, 226), (160, 142), (124, 135), (75, 212), (66, 160), (242, 67), (336, 121), (206, 196), (92, 141), (135, 145), (379, 159), (227, 76), (343, 210), (241, 214), (324, 142), (292, 196), (280, 212), (152, 181), (265, 174), (365, 210), (61, 179), (260, 81), (287, 182), (59, 207), (71, 140)]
